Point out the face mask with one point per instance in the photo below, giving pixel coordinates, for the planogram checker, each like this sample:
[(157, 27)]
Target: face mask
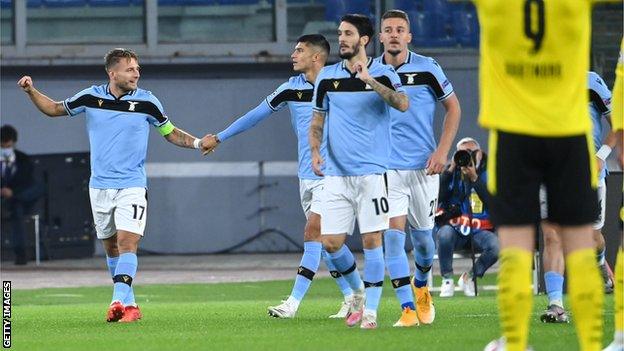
[(7, 153)]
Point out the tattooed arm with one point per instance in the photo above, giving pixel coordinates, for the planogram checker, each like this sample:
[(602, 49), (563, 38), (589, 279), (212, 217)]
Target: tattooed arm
[(395, 99), (181, 138), (315, 138)]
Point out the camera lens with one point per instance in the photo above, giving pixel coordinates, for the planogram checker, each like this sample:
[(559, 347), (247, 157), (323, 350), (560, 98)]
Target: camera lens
[(462, 158)]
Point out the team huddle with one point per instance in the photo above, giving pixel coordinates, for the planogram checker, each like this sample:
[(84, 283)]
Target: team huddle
[(367, 154)]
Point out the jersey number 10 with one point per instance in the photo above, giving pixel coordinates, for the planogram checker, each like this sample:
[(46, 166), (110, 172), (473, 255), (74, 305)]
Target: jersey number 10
[(531, 8)]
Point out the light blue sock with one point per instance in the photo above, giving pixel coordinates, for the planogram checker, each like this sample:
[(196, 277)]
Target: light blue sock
[(340, 280), (554, 286), (307, 268), (398, 267), (424, 249), (112, 265), (124, 273), (345, 264), (373, 277), (111, 262), (600, 256)]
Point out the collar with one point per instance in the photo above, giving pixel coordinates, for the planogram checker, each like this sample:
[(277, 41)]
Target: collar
[(108, 92), (408, 59), (303, 77)]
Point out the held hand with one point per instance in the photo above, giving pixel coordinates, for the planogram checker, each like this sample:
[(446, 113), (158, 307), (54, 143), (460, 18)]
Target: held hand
[(362, 71), (26, 83), (436, 163), (208, 144), (317, 162), (471, 172), (6, 193)]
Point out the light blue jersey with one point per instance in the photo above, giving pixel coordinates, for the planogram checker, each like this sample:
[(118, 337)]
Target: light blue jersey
[(412, 138), (357, 119), (118, 131), (599, 106), (297, 94)]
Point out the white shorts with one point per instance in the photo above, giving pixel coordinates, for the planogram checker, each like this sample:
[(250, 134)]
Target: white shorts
[(602, 198), (310, 192), (347, 198), (118, 209), (415, 194)]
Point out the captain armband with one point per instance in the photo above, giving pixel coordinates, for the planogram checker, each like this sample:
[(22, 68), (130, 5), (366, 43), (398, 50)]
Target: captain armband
[(166, 128)]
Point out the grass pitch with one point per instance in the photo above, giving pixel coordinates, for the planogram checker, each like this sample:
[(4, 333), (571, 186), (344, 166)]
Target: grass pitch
[(232, 316)]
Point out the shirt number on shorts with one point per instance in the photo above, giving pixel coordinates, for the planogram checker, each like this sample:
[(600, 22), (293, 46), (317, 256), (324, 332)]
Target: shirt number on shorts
[(432, 206), (381, 203), (136, 214)]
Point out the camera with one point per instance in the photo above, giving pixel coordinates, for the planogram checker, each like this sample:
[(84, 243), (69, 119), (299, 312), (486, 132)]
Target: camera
[(464, 158), (449, 212)]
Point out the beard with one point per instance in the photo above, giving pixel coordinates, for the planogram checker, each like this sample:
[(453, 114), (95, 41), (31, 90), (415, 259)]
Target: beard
[(394, 52), (349, 55)]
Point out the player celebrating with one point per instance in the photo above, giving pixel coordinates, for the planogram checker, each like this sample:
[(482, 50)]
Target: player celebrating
[(118, 118), (309, 57), (533, 71), (355, 96), (415, 163)]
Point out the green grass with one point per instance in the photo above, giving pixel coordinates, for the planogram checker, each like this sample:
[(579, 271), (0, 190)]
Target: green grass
[(232, 316)]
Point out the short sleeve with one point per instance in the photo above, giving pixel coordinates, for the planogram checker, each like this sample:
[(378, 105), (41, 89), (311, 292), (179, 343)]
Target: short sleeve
[(320, 98), (77, 103), (154, 109), (599, 94), (395, 80), (441, 87), (279, 97)]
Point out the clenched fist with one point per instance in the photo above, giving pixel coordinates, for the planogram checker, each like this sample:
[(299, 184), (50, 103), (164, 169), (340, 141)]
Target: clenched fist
[(25, 83)]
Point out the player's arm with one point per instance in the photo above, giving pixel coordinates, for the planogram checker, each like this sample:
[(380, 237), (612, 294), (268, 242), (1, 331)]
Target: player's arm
[(46, 105), (437, 161), (315, 138), (246, 122), (178, 137), (394, 98)]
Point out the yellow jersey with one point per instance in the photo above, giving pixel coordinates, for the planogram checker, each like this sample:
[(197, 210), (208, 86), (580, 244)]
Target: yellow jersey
[(533, 66), (617, 112)]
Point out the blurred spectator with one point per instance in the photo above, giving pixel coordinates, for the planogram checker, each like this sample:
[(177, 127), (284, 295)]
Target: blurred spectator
[(464, 214), (18, 189)]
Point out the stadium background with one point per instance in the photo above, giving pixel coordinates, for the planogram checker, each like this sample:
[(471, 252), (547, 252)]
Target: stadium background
[(209, 61)]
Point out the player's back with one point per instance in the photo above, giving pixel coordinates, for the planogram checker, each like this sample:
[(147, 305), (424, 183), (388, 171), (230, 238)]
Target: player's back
[(534, 62)]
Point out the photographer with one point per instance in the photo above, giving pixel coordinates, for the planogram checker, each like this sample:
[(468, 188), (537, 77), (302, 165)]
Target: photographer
[(464, 213)]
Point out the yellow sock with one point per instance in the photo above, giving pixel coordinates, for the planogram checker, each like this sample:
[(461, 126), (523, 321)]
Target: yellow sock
[(585, 289), (619, 292), (515, 298)]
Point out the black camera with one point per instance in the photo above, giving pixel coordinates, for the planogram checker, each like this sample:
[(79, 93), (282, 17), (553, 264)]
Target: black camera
[(449, 212), (464, 158)]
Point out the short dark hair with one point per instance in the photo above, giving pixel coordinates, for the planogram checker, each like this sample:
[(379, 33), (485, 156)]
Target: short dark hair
[(396, 14), (315, 40), (8, 133), (362, 23), (114, 56)]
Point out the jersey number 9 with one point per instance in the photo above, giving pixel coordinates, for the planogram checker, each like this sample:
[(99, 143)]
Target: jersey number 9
[(531, 8)]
